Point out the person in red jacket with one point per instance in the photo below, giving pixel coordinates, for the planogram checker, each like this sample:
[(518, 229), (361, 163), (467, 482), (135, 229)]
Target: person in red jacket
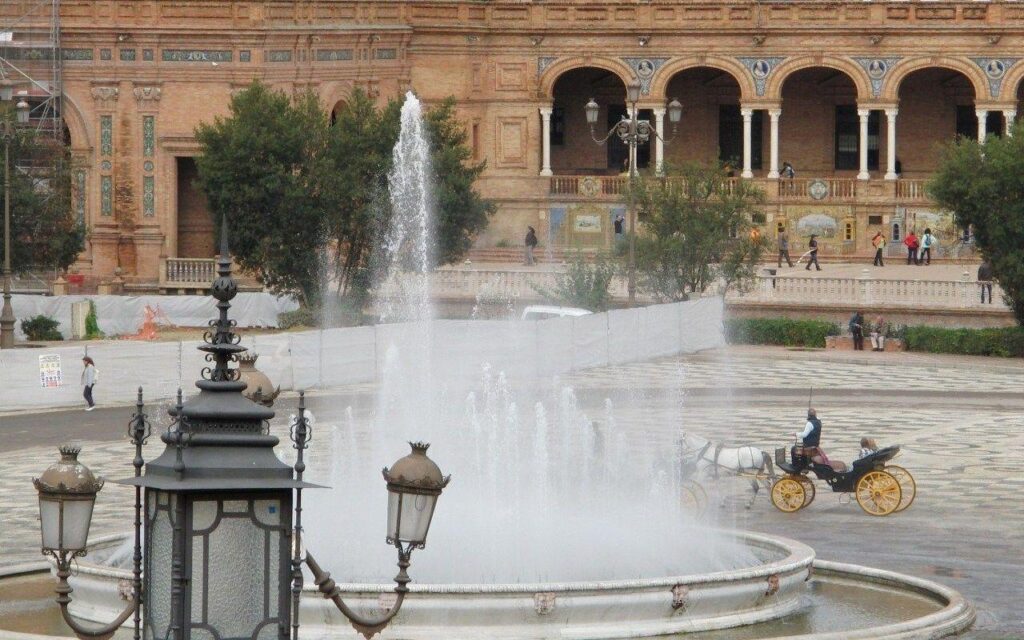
[(912, 243)]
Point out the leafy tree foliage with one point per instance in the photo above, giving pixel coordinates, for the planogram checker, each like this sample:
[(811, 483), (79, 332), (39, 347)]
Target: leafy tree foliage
[(584, 284), (263, 167), (697, 231), (308, 198), (44, 229), (983, 185)]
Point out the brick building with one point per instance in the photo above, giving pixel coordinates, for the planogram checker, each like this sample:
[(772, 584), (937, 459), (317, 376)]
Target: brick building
[(855, 95)]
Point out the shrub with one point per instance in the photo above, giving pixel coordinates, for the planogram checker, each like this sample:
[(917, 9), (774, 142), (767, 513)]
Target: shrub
[(301, 317), (1006, 342), (41, 328), (583, 284), (503, 244), (779, 331)]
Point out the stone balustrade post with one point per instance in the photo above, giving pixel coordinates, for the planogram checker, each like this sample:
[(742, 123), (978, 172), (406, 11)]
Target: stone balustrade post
[(966, 289), (865, 286)]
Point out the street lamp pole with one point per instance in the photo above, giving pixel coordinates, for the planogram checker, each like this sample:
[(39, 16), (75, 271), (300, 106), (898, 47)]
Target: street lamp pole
[(7, 132), (632, 131)]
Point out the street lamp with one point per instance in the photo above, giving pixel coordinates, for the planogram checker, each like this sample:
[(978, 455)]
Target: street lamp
[(633, 131), (223, 514), (7, 133)]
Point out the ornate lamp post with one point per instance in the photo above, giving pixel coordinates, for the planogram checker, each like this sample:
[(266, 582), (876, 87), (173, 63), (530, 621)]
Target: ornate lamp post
[(633, 132), (7, 133), (223, 515)]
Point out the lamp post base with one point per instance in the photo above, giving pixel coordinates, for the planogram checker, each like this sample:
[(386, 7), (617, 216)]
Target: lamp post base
[(7, 319)]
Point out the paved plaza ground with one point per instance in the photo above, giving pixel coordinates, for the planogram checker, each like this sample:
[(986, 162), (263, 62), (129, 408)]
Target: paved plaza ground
[(960, 422)]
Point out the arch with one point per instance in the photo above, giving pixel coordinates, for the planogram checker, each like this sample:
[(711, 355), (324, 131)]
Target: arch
[(664, 76), (78, 129), (555, 71), (1012, 83), (778, 77), (891, 87)]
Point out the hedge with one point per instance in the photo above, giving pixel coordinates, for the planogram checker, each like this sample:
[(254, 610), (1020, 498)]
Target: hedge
[(1006, 342), (779, 331)]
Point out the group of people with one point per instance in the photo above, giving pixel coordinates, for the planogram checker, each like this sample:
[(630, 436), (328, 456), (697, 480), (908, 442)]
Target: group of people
[(919, 250), (811, 255), (876, 330), (810, 439)]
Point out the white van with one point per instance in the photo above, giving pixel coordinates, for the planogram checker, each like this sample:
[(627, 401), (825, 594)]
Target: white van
[(541, 312)]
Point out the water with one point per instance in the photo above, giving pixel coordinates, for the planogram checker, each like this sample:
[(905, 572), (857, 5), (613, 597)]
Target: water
[(543, 489)]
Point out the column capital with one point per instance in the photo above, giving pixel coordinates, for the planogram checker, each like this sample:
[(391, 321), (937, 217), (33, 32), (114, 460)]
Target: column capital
[(747, 112), (981, 113), (545, 111), (864, 113), (891, 112), (659, 112), (775, 113)]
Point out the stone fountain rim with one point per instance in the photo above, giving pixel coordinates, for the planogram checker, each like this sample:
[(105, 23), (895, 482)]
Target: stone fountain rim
[(799, 556)]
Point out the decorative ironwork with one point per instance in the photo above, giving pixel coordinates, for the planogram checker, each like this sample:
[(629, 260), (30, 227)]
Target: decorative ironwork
[(333, 55), (760, 69), (127, 55), (76, 54), (195, 55), (279, 56), (106, 196), (385, 54), (245, 55), (148, 135), (148, 196), (147, 55), (106, 135), (104, 54)]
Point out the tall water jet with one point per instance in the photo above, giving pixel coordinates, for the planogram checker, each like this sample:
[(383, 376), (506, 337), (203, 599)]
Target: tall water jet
[(404, 294)]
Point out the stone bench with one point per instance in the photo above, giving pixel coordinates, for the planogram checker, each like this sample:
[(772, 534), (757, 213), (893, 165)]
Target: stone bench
[(845, 343)]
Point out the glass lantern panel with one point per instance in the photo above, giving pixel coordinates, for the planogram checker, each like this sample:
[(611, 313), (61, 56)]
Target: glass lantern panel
[(158, 569), (197, 585), (394, 502), (268, 632), (77, 515), (237, 578), (414, 513), (204, 514), (267, 512), (236, 506), (198, 633), (272, 572), (49, 521)]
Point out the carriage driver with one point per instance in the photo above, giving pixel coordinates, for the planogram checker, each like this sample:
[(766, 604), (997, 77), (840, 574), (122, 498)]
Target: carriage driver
[(811, 438)]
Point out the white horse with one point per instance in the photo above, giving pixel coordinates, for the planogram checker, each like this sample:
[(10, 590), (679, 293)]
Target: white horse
[(708, 459)]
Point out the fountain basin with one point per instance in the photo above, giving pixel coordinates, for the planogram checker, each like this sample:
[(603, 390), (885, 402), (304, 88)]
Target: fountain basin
[(595, 610)]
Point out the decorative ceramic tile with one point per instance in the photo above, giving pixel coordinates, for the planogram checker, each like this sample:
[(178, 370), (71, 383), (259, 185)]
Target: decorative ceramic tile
[(760, 69), (995, 70), (76, 54), (80, 195), (106, 195), (104, 54), (244, 55), (106, 166), (195, 55), (127, 55), (148, 196), (645, 68), (543, 63), (877, 69), (148, 135), (279, 56), (147, 166), (332, 55), (386, 54), (147, 55), (106, 135)]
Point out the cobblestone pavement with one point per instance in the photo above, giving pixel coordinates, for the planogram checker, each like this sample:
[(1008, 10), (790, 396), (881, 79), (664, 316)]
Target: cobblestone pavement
[(960, 423)]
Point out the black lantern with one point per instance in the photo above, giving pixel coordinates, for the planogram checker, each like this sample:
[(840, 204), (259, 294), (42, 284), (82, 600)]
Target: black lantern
[(218, 506)]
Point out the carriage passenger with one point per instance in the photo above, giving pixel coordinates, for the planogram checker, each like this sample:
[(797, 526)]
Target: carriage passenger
[(867, 447)]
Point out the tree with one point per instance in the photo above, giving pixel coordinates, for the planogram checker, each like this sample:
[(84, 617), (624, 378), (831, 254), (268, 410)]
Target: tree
[(584, 283), (44, 229), (264, 168), (697, 230), (983, 185)]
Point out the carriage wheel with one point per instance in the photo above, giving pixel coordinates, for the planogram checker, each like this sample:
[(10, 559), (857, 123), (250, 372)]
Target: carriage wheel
[(693, 497), (878, 493), (788, 494), (809, 490), (907, 486)]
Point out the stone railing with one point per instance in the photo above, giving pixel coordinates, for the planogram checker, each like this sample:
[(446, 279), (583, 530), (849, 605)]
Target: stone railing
[(818, 189), (864, 290), (911, 190), (502, 285), (805, 189), (187, 273)]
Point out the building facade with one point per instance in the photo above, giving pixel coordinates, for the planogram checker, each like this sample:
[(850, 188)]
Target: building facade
[(856, 96)]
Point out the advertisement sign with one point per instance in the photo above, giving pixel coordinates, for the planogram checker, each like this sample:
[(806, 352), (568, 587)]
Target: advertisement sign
[(49, 371)]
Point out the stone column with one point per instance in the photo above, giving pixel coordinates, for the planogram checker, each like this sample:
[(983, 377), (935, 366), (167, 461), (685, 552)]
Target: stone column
[(773, 167), (1009, 115), (659, 142), (862, 144), (982, 121), (890, 147), (545, 134), (748, 118)]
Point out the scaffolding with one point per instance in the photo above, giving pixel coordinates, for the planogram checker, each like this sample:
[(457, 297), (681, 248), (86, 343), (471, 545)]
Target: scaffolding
[(31, 61)]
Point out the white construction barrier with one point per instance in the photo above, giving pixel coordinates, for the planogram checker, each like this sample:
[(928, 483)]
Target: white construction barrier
[(334, 357)]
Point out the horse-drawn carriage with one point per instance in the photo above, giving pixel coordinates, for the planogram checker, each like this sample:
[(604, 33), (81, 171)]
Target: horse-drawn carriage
[(880, 489)]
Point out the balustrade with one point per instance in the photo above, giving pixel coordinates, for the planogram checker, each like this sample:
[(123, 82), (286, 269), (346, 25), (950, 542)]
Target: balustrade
[(189, 271)]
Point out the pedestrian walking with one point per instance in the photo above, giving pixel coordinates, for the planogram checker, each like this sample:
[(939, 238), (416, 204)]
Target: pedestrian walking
[(879, 243), (531, 244), (927, 242), (787, 171), (90, 376), (784, 249), (878, 334), (812, 253), (857, 330), (985, 280), (912, 243)]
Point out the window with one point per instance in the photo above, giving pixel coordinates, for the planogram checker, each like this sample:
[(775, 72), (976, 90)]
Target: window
[(848, 138), (848, 231), (557, 126), (966, 121), (896, 232), (874, 220), (730, 137)]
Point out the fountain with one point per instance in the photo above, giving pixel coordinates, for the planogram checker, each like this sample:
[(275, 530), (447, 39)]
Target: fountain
[(554, 527)]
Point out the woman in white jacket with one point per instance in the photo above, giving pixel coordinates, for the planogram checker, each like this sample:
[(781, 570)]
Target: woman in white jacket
[(89, 377)]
